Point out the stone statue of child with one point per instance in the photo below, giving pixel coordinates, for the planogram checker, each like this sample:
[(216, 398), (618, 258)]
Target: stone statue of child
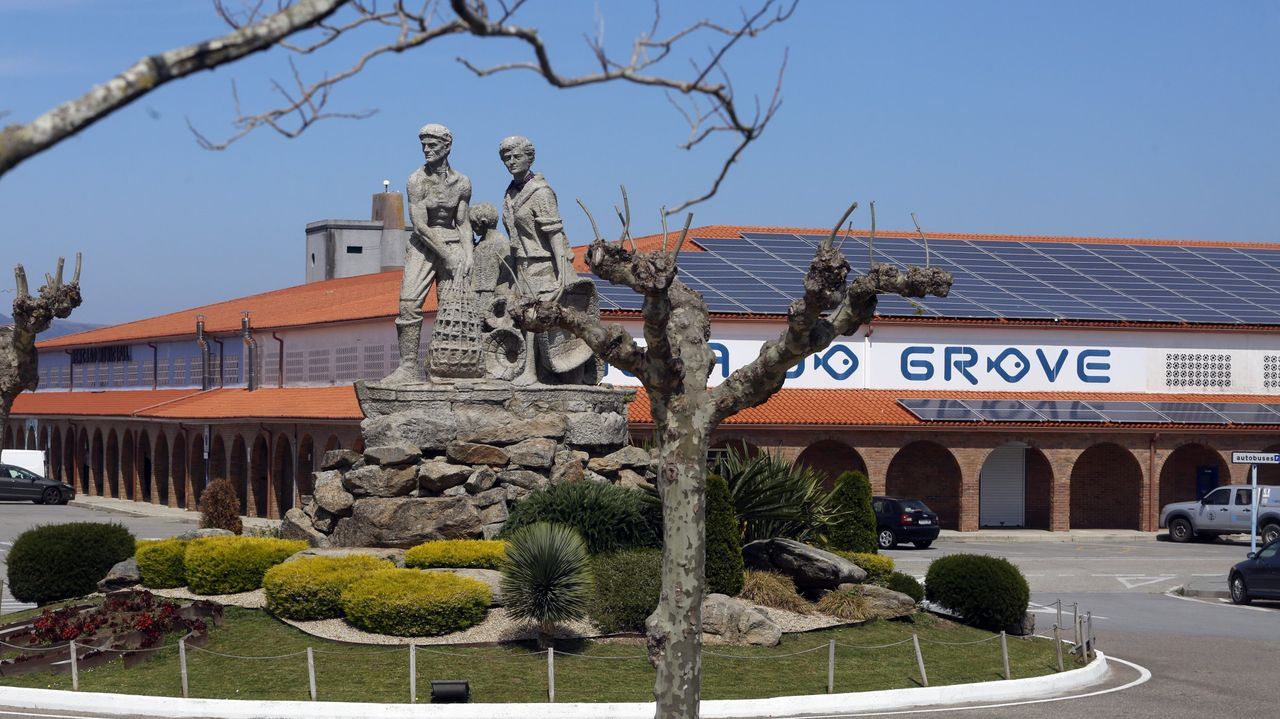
[(439, 248), (492, 254)]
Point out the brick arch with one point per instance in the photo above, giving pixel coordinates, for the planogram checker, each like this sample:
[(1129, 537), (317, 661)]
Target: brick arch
[(1270, 473), (306, 465), (144, 466), (69, 456), (97, 463), (1178, 473), (178, 470), (8, 437), (55, 455), (238, 471), (44, 439), (1106, 488), (30, 442), (1037, 484), (928, 471), (160, 469), (112, 460), (128, 447), (332, 443), (260, 477), (831, 458), (83, 460), (282, 477), (198, 468)]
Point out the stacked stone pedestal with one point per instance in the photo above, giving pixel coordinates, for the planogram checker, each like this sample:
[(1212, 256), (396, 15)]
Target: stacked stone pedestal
[(447, 461)]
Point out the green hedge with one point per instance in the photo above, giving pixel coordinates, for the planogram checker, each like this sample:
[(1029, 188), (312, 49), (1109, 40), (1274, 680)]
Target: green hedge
[(412, 603), (986, 592), (226, 565), (724, 540), (311, 587), (608, 517), (627, 585), (161, 563), (877, 566), (61, 561), (855, 531), (463, 553), (906, 584)]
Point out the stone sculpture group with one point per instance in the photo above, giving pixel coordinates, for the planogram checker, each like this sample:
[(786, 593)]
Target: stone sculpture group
[(499, 412)]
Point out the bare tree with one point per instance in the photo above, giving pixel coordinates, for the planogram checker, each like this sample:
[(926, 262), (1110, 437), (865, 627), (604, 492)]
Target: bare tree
[(31, 316), (703, 93), (674, 366)]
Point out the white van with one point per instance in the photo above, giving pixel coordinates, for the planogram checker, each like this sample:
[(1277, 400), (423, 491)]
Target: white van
[(31, 460)]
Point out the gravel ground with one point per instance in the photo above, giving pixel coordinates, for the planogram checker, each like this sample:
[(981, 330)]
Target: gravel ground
[(255, 599)]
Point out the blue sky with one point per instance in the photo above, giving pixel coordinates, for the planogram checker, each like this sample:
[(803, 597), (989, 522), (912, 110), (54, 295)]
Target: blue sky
[(1134, 119)]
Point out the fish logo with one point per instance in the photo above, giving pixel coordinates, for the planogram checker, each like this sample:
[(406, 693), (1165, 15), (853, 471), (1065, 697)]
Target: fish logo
[(839, 362), (1011, 365)]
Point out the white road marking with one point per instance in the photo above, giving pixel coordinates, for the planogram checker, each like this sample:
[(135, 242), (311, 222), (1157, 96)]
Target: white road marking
[(1171, 595), (1131, 581)]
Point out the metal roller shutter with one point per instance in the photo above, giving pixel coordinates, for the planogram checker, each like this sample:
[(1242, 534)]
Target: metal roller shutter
[(1002, 490)]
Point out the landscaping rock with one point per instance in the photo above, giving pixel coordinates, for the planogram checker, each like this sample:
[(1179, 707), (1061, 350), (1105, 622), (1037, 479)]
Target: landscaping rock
[(323, 521), (492, 577), (297, 525), (883, 603), (458, 491), (490, 497), (592, 429), (437, 475), (1025, 628), (431, 428), (536, 452), (809, 567), (627, 457), (206, 532), (491, 531), (495, 513), (339, 459), (396, 556), (514, 430), (406, 521), (373, 481), (472, 453), (568, 466), (633, 480), (332, 498), (393, 454), (515, 493), (734, 621), (481, 480), (522, 478), (121, 576)]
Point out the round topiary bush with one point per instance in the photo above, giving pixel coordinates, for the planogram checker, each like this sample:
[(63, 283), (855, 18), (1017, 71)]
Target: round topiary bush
[(724, 541), (412, 603), (161, 563), (608, 517), (458, 553), (906, 584), (226, 565), (855, 530), (311, 587), (986, 592), (220, 507), (61, 561), (627, 585)]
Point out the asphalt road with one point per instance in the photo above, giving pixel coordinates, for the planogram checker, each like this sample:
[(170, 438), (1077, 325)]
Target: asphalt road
[(1205, 658)]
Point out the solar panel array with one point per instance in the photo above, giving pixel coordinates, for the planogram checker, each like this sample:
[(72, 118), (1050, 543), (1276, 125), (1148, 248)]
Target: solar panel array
[(1091, 412), (762, 273)]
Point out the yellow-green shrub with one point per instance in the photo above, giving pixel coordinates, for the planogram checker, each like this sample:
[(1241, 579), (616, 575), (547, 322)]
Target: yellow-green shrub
[(226, 565), (845, 604), (160, 563), (412, 603), (311, 587), (464, 553), (877, 566)]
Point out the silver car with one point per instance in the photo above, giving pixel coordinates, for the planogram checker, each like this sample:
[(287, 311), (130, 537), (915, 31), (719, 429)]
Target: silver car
[(1225, 510)]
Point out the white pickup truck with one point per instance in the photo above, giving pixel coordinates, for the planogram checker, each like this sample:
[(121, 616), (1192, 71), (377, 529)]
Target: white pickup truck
[(1225, 510)]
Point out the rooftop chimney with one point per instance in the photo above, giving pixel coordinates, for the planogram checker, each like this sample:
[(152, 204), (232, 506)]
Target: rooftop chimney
[(388, 208)]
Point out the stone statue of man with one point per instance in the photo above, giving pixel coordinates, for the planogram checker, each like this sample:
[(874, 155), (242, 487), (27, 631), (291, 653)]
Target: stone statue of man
[(440, 244)]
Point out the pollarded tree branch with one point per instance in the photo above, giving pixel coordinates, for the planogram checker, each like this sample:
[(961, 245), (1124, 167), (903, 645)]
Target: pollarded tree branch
[(610, 341), (19, 142), (19, 371)]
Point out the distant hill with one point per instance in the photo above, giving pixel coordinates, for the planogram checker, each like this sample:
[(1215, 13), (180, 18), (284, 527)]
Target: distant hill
[(58, 328)]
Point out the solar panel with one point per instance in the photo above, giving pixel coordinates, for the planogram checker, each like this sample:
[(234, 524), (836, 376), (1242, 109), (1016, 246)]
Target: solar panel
[(1063, 411), (1188, 413), (1242, 413), (1003, 410), (1128, 412), (939, 410)]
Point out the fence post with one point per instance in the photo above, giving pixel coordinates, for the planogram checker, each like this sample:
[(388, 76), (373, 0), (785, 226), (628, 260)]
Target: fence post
[(1059, 611), (413, 673), (1088, 620), (311, 673), (1, 596), (182, 664), (1057, 643), (551, 674), (75, 670), (831, 666), (1004, 654), (1075, 620), (924, 678)]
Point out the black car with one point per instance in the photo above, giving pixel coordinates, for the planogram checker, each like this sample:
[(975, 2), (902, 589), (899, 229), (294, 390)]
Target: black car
[(904, 520), (18, 483), (1257, 577)]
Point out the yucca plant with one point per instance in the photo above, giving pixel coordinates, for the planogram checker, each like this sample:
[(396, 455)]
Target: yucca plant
[(773, 497), (547, 577)]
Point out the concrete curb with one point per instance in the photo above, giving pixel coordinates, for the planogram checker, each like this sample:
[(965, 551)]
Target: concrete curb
[(1203, 592), (775, 708)]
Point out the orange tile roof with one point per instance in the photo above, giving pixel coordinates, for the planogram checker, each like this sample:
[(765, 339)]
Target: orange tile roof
[(321, 403), (108, 402)]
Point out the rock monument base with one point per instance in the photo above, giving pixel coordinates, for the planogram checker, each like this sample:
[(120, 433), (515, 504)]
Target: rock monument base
[(447, 460)]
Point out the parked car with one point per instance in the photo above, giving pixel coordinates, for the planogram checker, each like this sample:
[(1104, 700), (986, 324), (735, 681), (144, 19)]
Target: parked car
[(904, 520), (1225, 510), (18, 483), (1257, 577)]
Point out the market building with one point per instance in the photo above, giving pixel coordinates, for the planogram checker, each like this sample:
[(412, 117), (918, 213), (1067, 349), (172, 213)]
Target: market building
[(1065, 383)]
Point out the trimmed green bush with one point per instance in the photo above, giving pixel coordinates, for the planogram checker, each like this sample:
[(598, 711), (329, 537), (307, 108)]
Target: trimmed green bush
[(220, 507), (413, 603), (61, 561), (161, 563), (627, 585), (986, 592), (855, 531), (547, 577), (226, 565), (724, 541), (608, 517), (906, 584), (311, 587), (771, 589), (877, 566), (464, 553), (844, 604)]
